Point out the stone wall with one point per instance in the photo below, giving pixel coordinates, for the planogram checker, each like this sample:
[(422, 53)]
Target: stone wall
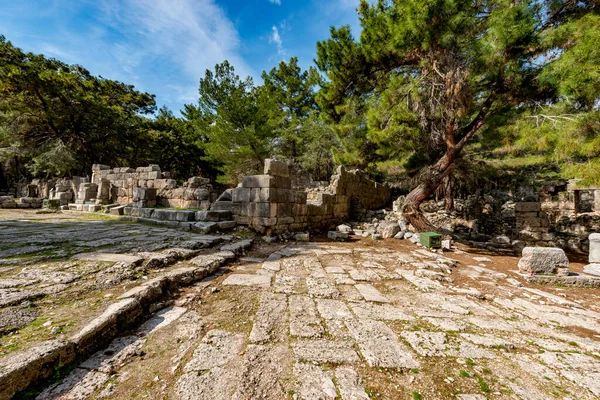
[(23, 202), (272, 204), (144, 187), (121, 185), (557, 214)]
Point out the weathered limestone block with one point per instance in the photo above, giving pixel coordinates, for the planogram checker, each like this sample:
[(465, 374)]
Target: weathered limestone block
[(594, 248), (257, 181), (19, 371), (388, 229), (276, 168), (174, 215), (213, 215), (242, 194), (544, 260), (262, 210)]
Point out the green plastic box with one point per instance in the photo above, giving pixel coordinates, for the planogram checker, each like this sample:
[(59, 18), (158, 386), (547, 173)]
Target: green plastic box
[(431, 239)]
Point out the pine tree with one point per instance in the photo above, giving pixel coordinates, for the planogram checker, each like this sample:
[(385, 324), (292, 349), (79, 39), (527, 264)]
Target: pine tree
[(429, 77)]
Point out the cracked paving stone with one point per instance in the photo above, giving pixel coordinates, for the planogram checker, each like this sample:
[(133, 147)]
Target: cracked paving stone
[(333, 309), (285, 284), (382, 312), (322, 287), (80, 384), (427, 344), (270, 316), (379, 345), (217, 349), (335, 270), (248, 280), (487, 340), (314, 383), (348, 383), (315, 268), (325, 351), (363, 275), (261, 372), (370, 293), (304, 321)]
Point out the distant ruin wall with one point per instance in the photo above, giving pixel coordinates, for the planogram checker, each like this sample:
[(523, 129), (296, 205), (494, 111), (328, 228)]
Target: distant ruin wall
[(559, 214), (119, 185), (143, 186)]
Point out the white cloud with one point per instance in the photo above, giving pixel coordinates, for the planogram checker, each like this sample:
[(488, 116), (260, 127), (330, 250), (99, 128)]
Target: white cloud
[(278, 2), (275, 38), (181, 37)]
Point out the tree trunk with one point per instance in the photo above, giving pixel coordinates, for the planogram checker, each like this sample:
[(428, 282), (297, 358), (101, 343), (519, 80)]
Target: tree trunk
[(448, 195), (430, 181), (433, 176)]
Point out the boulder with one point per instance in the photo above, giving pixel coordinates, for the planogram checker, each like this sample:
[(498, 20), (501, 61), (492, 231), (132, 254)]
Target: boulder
[(399, 235), (344, 228), (388, 229), (544, 261), (338, 236)]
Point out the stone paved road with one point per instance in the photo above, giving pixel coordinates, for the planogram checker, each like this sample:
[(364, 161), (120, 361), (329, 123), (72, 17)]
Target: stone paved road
[(352, 321), (58, 271)]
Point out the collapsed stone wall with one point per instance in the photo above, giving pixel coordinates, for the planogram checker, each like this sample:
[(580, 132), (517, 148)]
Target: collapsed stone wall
[(122, 186), (271, 204), (558, 214), (143, 186)]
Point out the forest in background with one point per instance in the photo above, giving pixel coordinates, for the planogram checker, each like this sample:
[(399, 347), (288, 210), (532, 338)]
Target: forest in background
[(439, 96)]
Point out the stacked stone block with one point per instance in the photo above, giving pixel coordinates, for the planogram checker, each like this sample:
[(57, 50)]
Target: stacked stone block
[(23, 202), (268, 204), (533, 224), (272, 204), (121, 185)]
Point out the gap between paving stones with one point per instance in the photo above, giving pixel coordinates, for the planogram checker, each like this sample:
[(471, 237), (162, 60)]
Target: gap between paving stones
[(24, 369)]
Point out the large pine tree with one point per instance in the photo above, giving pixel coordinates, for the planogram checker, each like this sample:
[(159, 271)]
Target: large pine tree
[(427, 77)]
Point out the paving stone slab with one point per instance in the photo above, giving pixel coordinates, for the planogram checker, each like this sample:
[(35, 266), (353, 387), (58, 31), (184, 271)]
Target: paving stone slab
[(427, 344), (80, 384), (488, 340), (314, 383), (248, 280), (217, 383), (261, 373), (370, 293), (333, 309), (270, 316), (217, 349), (322, 287), (109, 257), (379, 345), (363, 275), (382, 312), (348, 383), (325, 351), (304, 321)]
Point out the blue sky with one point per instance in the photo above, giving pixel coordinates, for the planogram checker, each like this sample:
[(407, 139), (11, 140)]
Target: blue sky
[(164, 46)]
